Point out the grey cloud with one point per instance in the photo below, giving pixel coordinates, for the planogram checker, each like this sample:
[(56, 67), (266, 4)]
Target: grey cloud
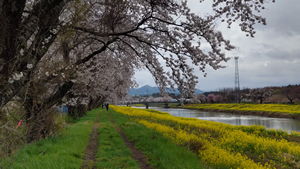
[(272, 58), (283, 17)]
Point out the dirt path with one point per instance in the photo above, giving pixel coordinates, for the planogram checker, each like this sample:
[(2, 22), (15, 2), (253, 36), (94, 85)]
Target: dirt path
[(91, 150), (137, 154)]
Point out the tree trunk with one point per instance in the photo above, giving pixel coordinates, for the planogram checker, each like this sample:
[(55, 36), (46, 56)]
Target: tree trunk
[(290, 98), (34, 120), (72, 112), (38, 116), (14, 35)]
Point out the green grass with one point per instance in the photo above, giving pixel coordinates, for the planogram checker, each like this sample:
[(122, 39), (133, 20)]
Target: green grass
[(112, 152), (138, 105), (160, 151), (67, 149), (63, 151)]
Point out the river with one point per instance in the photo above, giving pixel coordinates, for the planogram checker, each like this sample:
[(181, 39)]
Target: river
[(269, 122)]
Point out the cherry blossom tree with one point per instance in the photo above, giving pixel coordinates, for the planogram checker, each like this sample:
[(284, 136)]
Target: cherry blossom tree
[(148, 28), (166, 97), (149, 99), (201, 98), (218, 98), (105, 78), (210, 98), (47, 47), (260, 94)]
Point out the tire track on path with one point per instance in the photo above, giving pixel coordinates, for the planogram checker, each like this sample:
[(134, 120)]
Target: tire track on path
[(137, 154), (91, 149)]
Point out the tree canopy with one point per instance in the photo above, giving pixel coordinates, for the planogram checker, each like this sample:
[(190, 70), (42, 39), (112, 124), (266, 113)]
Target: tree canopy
[(88, 49)]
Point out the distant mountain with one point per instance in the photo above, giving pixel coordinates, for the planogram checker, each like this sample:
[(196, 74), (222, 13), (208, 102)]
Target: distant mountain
[(150, 90)]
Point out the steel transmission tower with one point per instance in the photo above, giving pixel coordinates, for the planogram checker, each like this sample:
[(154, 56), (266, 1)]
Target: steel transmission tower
[(237, 80)]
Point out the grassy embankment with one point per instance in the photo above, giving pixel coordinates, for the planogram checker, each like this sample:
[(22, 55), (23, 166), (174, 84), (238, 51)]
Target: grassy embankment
[(167, 141), (63, 151), (222, 145), (160, 151), (67, 149), (271, 110)]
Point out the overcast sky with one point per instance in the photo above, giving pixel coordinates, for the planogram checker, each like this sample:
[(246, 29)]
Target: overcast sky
[(271, 58)]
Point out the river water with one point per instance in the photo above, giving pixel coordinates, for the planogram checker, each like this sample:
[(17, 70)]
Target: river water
[(269, 122)]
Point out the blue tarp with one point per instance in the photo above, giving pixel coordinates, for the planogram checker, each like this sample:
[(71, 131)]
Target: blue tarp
[(62, 109)]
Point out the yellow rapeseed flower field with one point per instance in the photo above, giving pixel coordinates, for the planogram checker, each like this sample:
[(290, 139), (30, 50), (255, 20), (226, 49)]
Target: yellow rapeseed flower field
[(274, 108), (222, 145)]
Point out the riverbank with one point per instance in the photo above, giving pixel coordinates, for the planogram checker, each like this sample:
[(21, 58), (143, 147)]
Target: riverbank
[(131, 138), (222, 145), (121, 143), (265, 110)]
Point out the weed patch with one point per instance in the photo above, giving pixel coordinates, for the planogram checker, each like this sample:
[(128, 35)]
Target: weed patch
[(61, 151)]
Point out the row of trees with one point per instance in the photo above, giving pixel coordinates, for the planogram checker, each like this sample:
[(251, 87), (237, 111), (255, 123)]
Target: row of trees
[(86, 51), (173, 95), (291, 92), (228, 95)]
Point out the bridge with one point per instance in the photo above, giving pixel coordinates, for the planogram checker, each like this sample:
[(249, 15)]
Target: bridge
[(152, 104)]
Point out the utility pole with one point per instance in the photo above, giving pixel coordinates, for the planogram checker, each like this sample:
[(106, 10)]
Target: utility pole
[(237, 80)]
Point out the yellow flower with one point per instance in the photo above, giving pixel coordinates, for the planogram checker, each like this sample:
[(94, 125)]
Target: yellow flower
[(219, 145)]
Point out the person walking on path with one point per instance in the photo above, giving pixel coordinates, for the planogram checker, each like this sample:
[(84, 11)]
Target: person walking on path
[(106, 106)]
